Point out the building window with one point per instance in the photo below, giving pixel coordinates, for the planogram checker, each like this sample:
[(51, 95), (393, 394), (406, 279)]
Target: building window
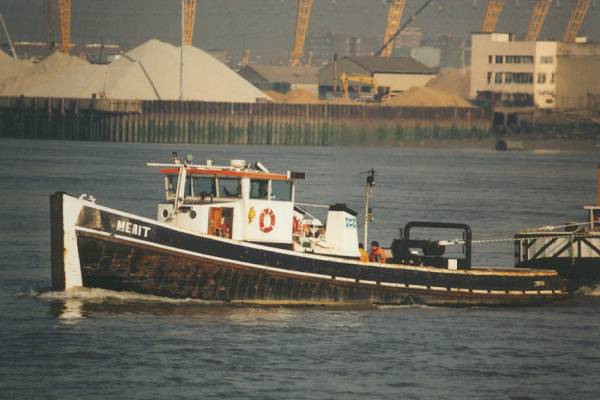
[(519, 59), (490, 59), (499, 59), (498, 77), (517, 77), (553, 78), (547, 60), (541, 77), (527, 59), (489, 77)]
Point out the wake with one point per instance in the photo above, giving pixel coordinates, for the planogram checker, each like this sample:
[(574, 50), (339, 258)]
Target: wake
[(589, 291), (105, 295)]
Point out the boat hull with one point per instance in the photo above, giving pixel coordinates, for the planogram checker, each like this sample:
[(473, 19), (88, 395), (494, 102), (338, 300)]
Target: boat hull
[(121, 251)]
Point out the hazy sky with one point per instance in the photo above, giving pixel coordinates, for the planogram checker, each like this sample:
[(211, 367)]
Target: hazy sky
[(266, 26)]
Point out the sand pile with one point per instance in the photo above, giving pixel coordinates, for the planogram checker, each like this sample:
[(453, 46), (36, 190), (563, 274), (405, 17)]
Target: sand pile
[(11, 69), (297, 96), (420, 96), (205, 78), (275, 96), (148, 72), (452, 81), (58, 75)]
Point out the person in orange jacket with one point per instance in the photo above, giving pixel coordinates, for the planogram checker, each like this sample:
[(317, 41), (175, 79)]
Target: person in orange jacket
[(377, 253)]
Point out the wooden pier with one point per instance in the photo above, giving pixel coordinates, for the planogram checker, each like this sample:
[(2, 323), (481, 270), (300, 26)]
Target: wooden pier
[(196, 122)]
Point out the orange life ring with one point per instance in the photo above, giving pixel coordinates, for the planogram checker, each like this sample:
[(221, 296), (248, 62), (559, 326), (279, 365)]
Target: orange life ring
[(261, 221)]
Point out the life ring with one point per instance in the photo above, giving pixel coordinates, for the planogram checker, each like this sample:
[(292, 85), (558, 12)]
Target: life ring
[(263, 227)]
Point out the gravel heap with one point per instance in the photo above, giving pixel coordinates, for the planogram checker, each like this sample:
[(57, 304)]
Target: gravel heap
[(420, 96), (148, 72), (452, 81), (11, 69)]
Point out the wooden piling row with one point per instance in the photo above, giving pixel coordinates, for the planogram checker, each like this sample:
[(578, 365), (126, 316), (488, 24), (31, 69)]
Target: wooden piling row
[(235, 123)]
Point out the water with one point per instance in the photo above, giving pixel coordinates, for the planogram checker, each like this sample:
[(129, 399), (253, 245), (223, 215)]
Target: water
[(102, 344)]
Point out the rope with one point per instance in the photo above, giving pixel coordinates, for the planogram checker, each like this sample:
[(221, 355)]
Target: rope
[(456, 242), (553, 227)]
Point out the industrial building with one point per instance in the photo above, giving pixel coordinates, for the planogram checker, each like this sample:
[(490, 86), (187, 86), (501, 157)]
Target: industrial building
[(282, 78), (544, 74), (371, 73)]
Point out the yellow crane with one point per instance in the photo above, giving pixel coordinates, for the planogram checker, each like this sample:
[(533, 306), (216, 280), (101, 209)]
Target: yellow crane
[(393, 23), (492, 15), (64, 16), (576, 20), (302, 20), (369, 80), (189, 21), (540, 11)]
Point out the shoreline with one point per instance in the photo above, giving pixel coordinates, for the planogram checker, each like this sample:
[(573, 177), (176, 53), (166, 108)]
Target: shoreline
[(539, 146)]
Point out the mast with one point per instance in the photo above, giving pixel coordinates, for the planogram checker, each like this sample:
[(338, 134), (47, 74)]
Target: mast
[(368, 194), (181, 52)]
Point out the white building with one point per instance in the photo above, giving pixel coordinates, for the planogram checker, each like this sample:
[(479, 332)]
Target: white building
[(542, 74), (282, 78), (392, 74)]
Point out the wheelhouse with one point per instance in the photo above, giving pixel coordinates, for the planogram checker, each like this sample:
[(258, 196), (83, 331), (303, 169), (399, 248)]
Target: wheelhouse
[(239, 201)]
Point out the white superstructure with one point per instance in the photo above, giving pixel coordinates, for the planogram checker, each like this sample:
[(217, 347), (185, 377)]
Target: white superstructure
[(247, 202)]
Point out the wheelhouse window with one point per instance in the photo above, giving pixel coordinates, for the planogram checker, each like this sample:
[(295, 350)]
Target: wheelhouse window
[(230, 187), (204, 186), (281, 190), (171, 182), (259, 189)]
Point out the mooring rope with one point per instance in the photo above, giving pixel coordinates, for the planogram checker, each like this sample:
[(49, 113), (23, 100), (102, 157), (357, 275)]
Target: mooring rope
[(553, 227), (501, 240)]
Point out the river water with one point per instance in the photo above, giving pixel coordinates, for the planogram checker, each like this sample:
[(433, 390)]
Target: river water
[(101, 344)]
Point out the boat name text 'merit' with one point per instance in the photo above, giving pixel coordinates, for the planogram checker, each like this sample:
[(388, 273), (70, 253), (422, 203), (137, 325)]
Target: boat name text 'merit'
[(132, 228)]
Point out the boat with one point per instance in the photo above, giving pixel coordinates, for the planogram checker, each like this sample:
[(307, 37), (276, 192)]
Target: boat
[(235, 233), (572, 249)]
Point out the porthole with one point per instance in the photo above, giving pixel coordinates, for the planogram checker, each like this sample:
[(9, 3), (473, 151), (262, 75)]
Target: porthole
[(192, 214), (165, 213)]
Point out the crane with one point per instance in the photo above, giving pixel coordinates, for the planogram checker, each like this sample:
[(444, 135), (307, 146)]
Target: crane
[(369, 80), (393, 22), (189, 21), (302, 19), (540, 11), (10, 42), (64, 15), (576, 20), (403, 27), (492, 15)]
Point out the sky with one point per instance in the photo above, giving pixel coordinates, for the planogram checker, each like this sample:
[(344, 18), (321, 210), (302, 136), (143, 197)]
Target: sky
[(266, 27)]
